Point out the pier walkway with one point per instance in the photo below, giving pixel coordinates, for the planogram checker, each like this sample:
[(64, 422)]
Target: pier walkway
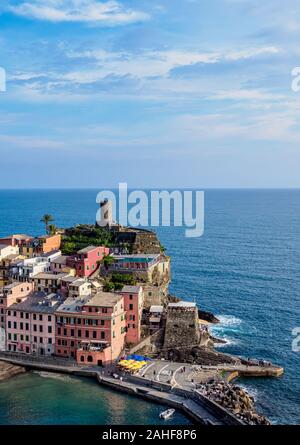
[(187, 376)]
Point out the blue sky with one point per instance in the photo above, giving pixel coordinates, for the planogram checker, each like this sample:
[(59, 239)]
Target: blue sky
[(160, 93)]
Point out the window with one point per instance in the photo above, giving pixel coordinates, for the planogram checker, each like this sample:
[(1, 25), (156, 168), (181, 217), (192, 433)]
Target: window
[(9, 324), (35, 339), (49, 329), (72, 332), (49, 317), (94, 334), (50, 341), (102, 335), (79, 333), (41, 317), (41, 328), (131, 307), (87, 334), (34, 316)]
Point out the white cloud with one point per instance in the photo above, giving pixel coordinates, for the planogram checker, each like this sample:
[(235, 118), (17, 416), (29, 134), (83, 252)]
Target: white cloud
[(271, 126), (240, 94), (110, 12), (159, 63)]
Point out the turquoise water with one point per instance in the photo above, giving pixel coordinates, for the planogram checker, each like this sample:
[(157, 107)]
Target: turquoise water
[(245, 269), (56, 399)]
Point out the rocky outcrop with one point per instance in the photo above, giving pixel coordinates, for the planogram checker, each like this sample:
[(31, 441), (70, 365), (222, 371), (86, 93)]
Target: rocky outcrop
[(234, 399), (208, 316), (8, 370), (198, 355)]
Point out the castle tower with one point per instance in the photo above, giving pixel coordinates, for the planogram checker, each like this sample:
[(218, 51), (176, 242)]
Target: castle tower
[(106, 214)]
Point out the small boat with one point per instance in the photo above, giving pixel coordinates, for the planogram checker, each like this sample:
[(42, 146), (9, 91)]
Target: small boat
[(167, 414)]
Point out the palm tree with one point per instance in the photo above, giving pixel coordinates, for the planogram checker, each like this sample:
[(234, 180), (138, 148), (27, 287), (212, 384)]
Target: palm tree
[(46, 220), (52, 229)]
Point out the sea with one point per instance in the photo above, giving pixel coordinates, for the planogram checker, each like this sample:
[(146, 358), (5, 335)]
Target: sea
[(245, 269)]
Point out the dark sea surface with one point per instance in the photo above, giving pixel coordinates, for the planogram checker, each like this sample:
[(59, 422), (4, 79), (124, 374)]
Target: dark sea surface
[(245, 269)]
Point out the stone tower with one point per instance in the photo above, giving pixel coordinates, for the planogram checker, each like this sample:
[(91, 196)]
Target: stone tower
[(182, 325), (106, 214)]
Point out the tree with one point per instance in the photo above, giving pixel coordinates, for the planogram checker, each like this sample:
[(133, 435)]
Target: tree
[(46, 220), (108, 260), (52, 229)]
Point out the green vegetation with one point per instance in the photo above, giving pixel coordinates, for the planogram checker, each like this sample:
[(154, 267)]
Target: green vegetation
[(117, 281), (108, 260), (46, 219), (52, 229), (79, 237)]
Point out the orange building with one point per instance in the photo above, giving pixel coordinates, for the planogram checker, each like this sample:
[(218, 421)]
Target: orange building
[(42, 244)]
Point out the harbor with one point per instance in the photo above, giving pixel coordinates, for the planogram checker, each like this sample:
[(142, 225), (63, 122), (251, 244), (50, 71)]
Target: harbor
[(182, 391)]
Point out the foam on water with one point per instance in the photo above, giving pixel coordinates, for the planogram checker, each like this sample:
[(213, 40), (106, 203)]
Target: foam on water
[(55, 376)]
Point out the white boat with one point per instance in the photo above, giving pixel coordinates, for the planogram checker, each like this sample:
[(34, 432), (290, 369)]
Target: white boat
[(167, 414)]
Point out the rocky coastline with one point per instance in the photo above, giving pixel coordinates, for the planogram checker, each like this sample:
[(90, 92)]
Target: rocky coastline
[(8, 370), (236, 400)]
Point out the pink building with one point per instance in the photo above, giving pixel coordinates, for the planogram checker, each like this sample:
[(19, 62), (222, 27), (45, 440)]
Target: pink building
[(16, 240), (87, 260), (133, 303), (92, 329), (11, 294), (30, 325)]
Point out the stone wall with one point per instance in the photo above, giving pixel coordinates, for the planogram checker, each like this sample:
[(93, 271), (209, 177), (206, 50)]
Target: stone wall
[(154, 295), (182, 328), (140, 241)]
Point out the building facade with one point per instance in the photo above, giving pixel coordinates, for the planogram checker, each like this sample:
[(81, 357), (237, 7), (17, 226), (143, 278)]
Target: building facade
[(30, 325), (92, 329), (11, 294), (87, 260)]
